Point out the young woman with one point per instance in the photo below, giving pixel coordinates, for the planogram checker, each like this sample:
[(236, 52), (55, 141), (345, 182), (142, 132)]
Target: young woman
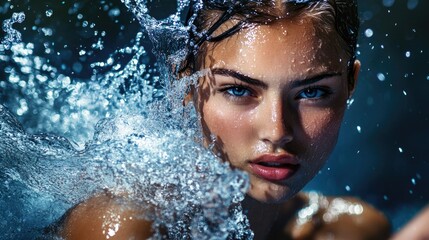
[(281, 73)]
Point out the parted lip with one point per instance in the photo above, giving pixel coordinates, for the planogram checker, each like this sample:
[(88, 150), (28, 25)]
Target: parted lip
[(274, 167), (276, 158)]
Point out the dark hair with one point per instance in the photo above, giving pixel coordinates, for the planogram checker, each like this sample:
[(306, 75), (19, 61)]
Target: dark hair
[(206, 16)]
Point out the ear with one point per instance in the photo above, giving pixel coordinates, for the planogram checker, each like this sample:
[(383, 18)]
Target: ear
[(354, 75)]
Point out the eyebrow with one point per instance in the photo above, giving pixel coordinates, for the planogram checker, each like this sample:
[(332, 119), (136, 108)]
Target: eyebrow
[(256, 82), (239, 76), (314, 79)]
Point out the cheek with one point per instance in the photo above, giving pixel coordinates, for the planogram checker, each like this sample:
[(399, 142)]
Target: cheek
[(321, 127), (222, 121), (232, 128)]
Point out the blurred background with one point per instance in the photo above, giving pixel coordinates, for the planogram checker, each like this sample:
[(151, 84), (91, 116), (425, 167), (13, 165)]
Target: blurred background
[(380, 154)]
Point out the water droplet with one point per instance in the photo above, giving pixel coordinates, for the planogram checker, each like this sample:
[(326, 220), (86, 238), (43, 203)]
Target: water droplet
[(388, 3), (385, 197), (427, 77), (114, 12), (413, 181), (412, 4), (400, 150), (369, 33), (407, 54), (350, 101), (404, 92), (348, 188), (49, 12), (359, 129), (381, 77), (47, 31)]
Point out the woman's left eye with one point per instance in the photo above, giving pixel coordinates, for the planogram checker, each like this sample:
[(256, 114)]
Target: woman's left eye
[(312, 93)]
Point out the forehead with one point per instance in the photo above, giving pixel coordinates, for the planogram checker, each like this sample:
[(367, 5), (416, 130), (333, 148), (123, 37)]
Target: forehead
[(286, 47)]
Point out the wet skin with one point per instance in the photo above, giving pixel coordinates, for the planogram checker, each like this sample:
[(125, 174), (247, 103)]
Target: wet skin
[(277, 90)]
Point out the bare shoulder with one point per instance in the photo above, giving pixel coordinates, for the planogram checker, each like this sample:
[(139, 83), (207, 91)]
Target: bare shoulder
[(417, 228), (102, 217), (321, 217)]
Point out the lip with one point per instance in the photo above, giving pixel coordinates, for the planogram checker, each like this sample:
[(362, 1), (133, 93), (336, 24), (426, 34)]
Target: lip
[(273, 167)]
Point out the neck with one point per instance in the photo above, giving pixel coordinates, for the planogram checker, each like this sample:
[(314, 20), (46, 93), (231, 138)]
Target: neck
[(262, 216)]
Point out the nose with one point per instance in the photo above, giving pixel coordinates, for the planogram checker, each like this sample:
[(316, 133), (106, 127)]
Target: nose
[(273, 124)]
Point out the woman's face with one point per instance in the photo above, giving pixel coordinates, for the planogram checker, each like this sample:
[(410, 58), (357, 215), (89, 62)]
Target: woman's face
[(274, 100)]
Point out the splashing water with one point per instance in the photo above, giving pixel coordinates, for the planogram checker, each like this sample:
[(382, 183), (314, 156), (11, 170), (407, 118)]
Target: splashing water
[(143, 146), (12, 35)]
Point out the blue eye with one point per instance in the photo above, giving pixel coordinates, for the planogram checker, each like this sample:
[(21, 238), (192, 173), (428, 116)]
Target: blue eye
[(312, 93), (238, 92)]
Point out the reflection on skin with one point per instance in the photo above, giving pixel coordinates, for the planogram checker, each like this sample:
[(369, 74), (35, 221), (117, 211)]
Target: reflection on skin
[(103, 217)]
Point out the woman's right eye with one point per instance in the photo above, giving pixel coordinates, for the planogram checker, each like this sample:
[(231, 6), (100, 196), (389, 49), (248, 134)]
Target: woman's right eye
[(237, 91)]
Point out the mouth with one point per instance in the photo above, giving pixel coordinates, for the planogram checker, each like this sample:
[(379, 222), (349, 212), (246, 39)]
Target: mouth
[(274, 168)]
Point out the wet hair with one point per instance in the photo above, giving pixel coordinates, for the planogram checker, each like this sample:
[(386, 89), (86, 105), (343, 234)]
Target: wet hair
[(207, 16)]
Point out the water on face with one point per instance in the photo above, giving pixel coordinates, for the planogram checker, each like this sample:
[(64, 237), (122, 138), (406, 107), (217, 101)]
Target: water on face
[(128, 132)]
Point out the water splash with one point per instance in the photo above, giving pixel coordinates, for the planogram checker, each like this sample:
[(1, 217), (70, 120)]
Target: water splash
[(133, 155), (146, 143), (12, 35)]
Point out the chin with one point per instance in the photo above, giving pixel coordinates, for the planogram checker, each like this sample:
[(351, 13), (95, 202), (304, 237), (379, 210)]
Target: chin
[(271, 193)]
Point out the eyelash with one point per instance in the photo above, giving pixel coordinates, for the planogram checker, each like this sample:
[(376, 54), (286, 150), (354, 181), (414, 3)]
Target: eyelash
[(321, 92), (229, 92)]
